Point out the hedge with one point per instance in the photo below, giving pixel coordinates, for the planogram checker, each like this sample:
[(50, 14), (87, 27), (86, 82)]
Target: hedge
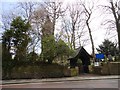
[(110, 68), (37, 71)]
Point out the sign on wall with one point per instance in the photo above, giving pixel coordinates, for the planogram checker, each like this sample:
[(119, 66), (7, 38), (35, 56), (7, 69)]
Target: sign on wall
[(100, 56)]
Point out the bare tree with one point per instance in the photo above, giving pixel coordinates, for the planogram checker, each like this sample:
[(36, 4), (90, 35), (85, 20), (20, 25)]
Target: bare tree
[(73, 24), (75, 19), (88, 11), (29, 11), (116, 15), (35, 15), (113, 9), (66, 31), (6, 20), (55, 10)]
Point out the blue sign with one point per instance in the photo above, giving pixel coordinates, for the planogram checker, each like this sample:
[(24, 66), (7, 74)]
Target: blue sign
[(100, 56)]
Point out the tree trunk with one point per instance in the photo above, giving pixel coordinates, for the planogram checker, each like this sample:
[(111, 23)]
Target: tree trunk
[(54, 21), (117, 20), (118, 31), (73, 36), (91, 39)]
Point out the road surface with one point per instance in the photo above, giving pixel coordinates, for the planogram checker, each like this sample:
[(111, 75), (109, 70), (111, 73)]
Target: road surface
[(106, 83)]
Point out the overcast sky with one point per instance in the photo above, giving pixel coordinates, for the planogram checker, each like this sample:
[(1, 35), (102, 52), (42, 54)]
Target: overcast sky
[(99, 33)]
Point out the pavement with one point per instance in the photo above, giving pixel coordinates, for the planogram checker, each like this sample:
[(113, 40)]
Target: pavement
[(75, 78)]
